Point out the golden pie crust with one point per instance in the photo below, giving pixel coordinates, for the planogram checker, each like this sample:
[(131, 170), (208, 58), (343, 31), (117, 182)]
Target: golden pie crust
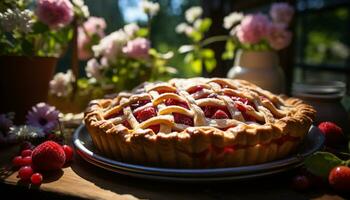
[(274, 127)]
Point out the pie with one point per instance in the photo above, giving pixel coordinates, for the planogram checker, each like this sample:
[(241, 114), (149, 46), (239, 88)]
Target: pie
[(198, 123)]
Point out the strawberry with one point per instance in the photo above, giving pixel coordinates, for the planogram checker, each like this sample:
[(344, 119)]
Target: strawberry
[(139, 103), (145, 114), (155, 128), (220, 114), (48, 156), (339, 178), (175, 102), (333, 133), (183, 119)]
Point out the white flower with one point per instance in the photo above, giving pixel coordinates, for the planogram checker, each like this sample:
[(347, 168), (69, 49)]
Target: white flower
[(80, 4), (149, 7), (111, 45), (232, 19), (131, 29), (16, 19), (193, 13), (184, 28), (25, 132), (61, 85), (93, 69), (180, 28), (197, 23)]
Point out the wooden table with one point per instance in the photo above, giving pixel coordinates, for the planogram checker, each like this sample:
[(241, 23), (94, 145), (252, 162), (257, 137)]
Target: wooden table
[(84, 180)]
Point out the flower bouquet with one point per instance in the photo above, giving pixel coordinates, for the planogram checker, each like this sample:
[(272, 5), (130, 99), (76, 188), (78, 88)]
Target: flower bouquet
[(121, 60), (32, 37)]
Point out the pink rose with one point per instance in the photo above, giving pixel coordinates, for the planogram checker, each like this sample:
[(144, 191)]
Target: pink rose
[(253, 28), (281, 13), (278, 36), (93, 27), (137, 48), (55, 13)]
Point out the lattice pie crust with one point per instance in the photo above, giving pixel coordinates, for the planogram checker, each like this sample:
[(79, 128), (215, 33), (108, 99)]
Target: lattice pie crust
[(198, 123)]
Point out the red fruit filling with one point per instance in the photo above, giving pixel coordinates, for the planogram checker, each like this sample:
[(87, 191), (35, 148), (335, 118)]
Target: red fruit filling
[(220, 114), (165, 91), (145, 114), (209, 112), (171, 102), (155, 128), (195, 89), (139, 103), (126, 124), (183, 119)]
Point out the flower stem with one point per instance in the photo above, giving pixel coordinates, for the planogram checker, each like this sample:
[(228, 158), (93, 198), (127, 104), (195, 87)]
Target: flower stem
[(213, 39)]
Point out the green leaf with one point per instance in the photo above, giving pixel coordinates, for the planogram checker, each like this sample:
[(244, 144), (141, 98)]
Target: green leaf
[(142, 32), (189, 58), (321, 163), (207, 53), (196, 66), (205, 25), (210, 64)]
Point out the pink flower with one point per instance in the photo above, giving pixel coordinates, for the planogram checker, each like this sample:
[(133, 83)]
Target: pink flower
[(43, 116), (281, 13), (278, 36), (253, 28), (93, 27), (55, 13), (137, 48)]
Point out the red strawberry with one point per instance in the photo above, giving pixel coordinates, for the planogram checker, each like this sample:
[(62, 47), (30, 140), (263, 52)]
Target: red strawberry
[(48, 156), (155, 128), (145, 114), (139, 104), (183, 119), (333, 133), (339, 178), (220, 114), (175, 102)]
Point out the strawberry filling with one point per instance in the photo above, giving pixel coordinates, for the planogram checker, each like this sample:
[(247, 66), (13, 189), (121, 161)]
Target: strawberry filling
[(145, 114), (126, 124), (139, 103), (216, 112), (155, 128), (183, 119)]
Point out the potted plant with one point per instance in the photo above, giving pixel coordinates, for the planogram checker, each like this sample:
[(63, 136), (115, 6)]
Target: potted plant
[(118, 61), (257, 39), (31, 41)]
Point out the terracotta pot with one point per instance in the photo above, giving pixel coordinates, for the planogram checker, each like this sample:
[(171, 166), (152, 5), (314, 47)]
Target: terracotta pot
[(24, 81), (259, 67)]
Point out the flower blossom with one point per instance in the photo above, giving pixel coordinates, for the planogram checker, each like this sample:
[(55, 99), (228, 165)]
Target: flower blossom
[(149, 7), (61, 85), (43, 116), (111, 45), (278, 36), (193, 13), (281, 13), (93, 69), (253, 28), (232, 19), (93, 27), (25, 132), (55, 13), (184, 28), (15, 19), (137, 48), (131, 29)]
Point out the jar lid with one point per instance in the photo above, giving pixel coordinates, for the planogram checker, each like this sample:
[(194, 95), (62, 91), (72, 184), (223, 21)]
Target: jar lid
[(320, 89)]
